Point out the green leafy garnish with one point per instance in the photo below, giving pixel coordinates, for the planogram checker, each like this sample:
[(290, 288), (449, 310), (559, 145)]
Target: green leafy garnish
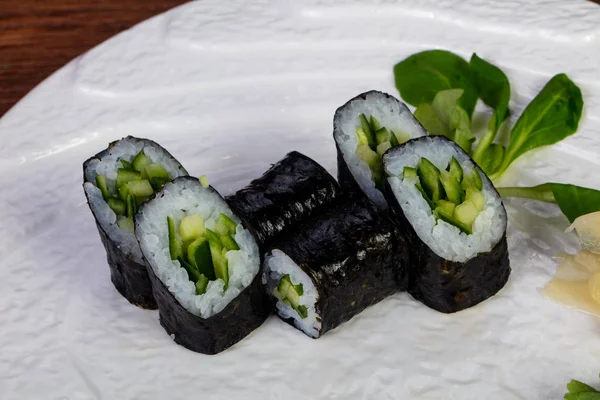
[(580, 391), (445, 89), (494, 89), (553, 115), (574, 201), (421, 76), (445, 117)]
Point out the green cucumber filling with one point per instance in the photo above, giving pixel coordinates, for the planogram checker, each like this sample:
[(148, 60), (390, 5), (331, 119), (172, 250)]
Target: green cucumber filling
[(373, 141), (454, 196), (137, 180), (201, 251), (290, 294)]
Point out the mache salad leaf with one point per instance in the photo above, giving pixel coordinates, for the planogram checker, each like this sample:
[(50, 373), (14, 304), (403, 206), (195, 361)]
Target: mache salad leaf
[(551, 116), (574, 201), (421, 76), (445, 117)]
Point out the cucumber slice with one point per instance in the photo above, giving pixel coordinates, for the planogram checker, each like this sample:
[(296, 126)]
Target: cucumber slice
[(126, 164), (199, 256), (219, 262), (131, 206), (117, 205), (302, 311), (125, 224), (464, 216), (140, 161), (225, 225), (229, 243), (124, 176), (475, 197), (103, 186), (455, 169), (454, 193), (393, 139), (175, 245), (401, 137), (369, 134), (425, 196), (430, 179), (477, 179), (445, 210), (362, 137), (191, 227), (373, 160), (192, 272), (473, 179), (201, 285), (210, 235), (289, 291), (382, 148), (382, 135), (290, 294), (157, 175), (141, 188), (375, 125), (203, 181), (410, 173)]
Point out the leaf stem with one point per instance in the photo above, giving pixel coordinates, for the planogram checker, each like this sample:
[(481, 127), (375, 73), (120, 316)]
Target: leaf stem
[(540, 192), (483, 144)]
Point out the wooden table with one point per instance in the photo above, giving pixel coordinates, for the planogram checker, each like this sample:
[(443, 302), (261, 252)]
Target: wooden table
[(38, 37)]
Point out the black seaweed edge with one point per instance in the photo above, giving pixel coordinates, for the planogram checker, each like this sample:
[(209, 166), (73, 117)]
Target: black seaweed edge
[(264, 241)]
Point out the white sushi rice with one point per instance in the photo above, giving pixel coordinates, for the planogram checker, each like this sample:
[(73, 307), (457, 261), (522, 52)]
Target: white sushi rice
[(177, 200), (107, 165), (446, 240), (276, 265), (391, 114)]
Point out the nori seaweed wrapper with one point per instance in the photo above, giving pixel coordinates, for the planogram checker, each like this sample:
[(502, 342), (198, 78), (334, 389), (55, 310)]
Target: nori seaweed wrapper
[(291, 190), (345, 177), (449, 286), (129, 277), (212, 335), (444, 285), (354, 255)]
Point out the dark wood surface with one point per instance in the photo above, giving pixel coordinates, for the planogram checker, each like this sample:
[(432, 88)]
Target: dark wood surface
[(37, 37)]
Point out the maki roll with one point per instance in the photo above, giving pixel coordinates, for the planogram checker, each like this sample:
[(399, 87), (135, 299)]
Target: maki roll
[(293, 189), (363, 129), (334, 265), (116, 182), (454, 220), (203, 264)]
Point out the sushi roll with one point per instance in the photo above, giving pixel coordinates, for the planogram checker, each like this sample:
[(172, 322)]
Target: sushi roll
[(293, 189), (204, 266), (454, 220), (334, 265), (116, 182), (363, 129)]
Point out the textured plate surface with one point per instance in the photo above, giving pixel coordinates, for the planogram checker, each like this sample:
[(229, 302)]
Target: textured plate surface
[(229, 87)]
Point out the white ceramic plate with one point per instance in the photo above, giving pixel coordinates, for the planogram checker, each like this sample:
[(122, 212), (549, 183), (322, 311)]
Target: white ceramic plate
[(229, 87)]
